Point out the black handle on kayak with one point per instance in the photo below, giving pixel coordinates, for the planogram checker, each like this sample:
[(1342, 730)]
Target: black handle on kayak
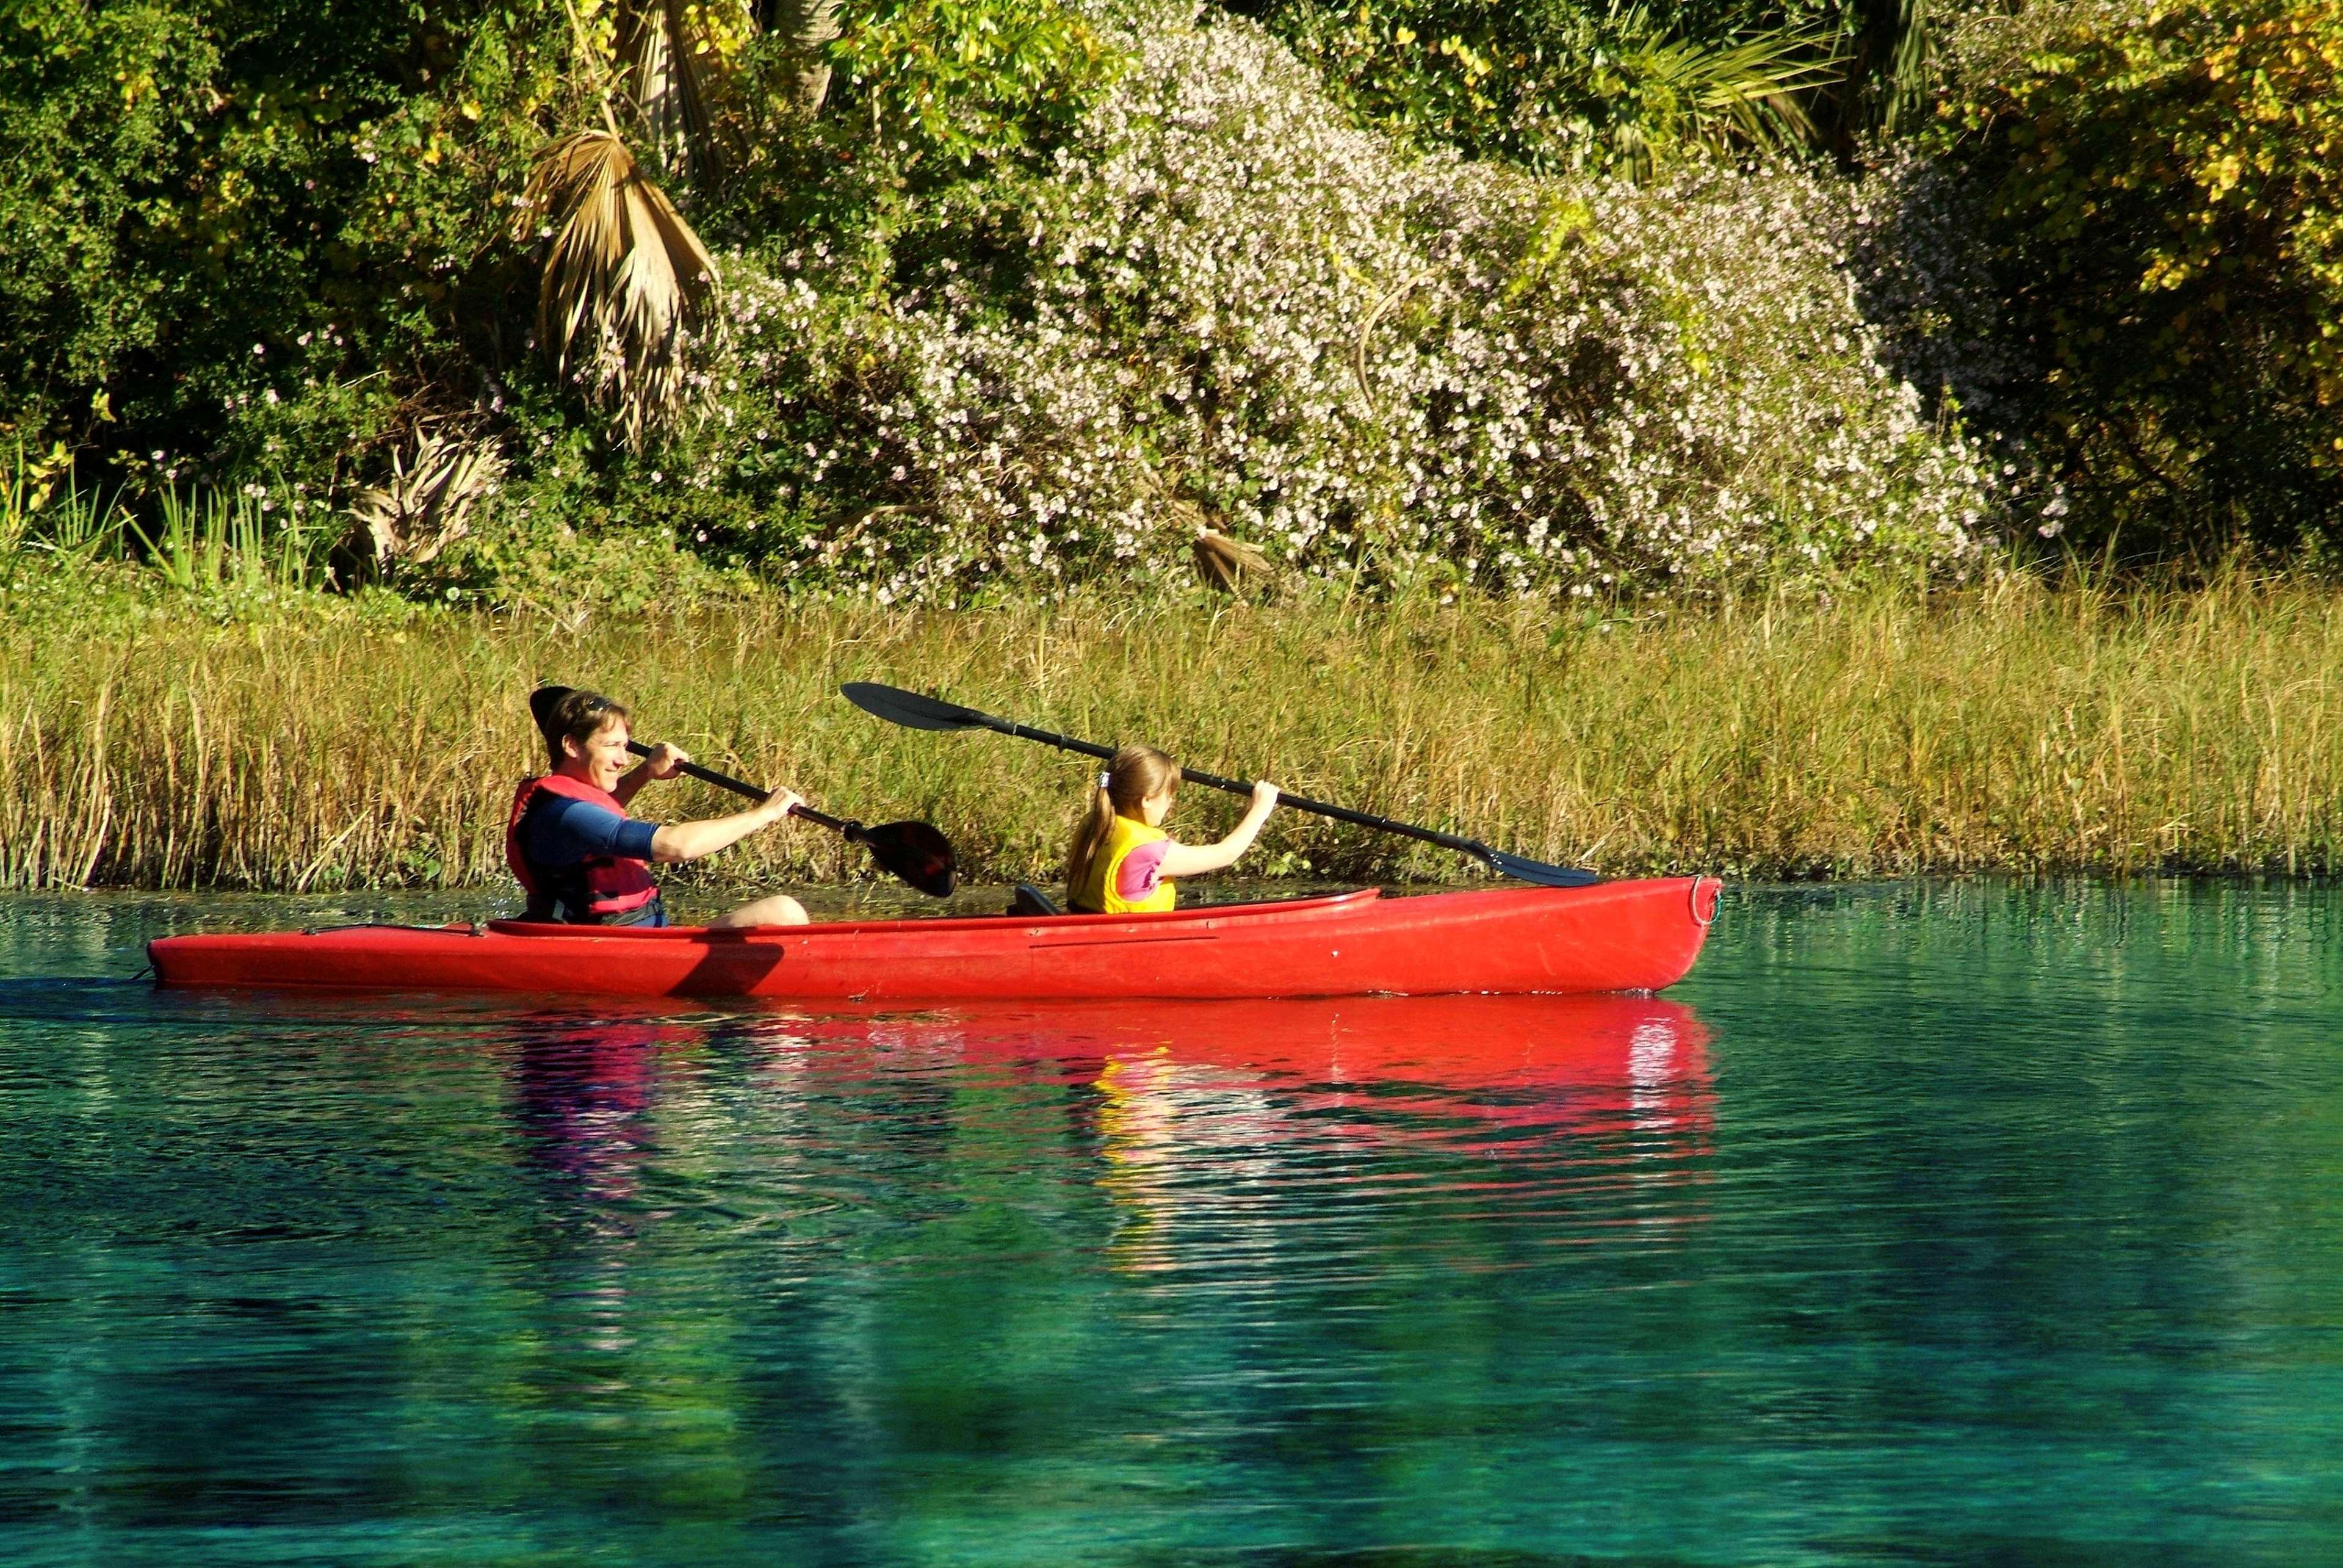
[(914, 711)]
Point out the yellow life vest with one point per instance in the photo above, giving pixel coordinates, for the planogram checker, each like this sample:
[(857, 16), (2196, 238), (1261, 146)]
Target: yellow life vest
[(1097, 894)]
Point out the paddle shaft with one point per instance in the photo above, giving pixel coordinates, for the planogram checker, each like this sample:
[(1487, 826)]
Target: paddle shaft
[(914, 711), (1236, 787), (740, 787)]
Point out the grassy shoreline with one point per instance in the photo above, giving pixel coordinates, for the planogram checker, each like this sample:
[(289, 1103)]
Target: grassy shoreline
[(2009, 728)]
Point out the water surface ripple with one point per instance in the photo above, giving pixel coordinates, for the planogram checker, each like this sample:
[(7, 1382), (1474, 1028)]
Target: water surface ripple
[(1950, 1223)]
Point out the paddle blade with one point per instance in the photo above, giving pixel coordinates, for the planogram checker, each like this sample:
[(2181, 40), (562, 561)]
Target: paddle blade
[(541, 702), (1538, 871), (916, 852), (911, 709)]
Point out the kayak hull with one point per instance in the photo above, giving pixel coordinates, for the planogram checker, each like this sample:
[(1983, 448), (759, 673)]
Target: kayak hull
[(1612, 936)]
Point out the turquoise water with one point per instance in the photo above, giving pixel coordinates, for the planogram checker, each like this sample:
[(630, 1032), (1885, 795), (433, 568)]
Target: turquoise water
[(1924, 1225)]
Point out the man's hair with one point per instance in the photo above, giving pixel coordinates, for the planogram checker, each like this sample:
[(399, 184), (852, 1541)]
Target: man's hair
[(565, 713)]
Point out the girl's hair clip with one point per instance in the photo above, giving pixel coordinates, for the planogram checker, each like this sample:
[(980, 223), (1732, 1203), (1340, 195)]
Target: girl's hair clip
[(1106, 780)]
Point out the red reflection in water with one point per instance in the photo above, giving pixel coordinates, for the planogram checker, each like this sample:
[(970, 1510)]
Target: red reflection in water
[(1537, 1065), (1202, 1106), (1198, 1110), (1176, 1099), (585, 1097), (1582, 1064)]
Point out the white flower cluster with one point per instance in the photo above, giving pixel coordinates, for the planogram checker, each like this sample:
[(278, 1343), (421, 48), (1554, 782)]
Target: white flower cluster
[(1228, 300)]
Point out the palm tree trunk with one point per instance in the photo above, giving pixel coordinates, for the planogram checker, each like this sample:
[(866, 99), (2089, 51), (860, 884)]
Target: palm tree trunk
[(808, 26)]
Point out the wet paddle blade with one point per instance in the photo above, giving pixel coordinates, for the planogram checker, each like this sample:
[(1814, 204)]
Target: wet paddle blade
[(916, 852), (911, 709), (1538, 871)]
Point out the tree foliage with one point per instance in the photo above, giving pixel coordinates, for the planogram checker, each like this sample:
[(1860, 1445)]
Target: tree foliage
[(242, 231), (252, 235), (284, 244), (956, 83), (1572, 85), (2164, 202)]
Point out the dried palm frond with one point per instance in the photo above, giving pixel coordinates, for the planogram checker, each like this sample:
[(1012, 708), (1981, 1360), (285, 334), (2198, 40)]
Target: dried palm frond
[(1229, 565), (428, 504), (1225, 563), (625, 274)]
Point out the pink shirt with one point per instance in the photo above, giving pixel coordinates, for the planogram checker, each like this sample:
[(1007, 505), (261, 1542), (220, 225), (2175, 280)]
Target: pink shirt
[(1140, 870)]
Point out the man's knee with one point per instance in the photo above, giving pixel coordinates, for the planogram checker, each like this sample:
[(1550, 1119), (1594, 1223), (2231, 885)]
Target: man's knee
[(779, 910)]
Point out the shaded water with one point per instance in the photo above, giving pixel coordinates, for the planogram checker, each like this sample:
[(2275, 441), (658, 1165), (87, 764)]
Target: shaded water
[(1942, 1224)]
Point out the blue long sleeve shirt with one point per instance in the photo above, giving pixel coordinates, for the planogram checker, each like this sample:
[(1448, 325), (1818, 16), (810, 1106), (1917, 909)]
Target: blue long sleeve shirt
[(561, 831)]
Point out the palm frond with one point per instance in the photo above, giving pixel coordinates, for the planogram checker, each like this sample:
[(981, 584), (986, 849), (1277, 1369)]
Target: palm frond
[(1229, 565), (428, 504), (628, 284), (1745, 92), (1911, 64), (1751, 90)]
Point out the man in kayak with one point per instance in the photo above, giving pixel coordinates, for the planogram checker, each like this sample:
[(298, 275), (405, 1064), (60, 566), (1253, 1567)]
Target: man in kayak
[(582, 859)]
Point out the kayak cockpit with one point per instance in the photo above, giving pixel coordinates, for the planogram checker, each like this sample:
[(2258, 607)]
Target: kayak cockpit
[(1279, 909)]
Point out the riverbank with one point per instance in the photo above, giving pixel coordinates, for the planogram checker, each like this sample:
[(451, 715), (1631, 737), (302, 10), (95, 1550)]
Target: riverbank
[(2008, 728)]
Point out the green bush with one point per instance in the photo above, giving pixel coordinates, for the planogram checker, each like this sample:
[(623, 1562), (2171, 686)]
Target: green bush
[(1572, 84), (262, 242), (2161, 190), (243, 231)]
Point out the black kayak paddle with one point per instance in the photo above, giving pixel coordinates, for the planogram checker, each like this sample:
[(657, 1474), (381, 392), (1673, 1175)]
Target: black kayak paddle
[(914, 711), (917, 852)]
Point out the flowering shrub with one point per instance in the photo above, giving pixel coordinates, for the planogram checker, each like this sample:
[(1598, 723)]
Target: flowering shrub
[(1225, 299)]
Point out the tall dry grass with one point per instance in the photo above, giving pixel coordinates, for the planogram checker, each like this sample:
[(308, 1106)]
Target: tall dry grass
[(2014, 727)]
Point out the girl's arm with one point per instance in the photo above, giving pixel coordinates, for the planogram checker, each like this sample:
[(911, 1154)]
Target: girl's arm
[(1195, 859), (691, 840)]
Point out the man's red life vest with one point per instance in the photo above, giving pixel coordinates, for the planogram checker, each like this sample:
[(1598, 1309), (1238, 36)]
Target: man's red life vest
[(590, 891)]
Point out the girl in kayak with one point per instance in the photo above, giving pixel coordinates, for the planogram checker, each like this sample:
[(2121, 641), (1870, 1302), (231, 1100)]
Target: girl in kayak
[(582, 859), (1122, 861)]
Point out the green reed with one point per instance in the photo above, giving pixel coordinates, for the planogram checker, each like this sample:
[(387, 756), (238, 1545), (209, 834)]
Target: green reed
[(2011, 726)]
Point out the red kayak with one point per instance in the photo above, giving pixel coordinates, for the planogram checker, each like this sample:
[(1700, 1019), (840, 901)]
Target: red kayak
[(1612, 936)]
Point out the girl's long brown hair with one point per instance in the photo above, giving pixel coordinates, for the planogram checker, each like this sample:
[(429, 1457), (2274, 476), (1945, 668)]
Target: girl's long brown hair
[(1136, 772)]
